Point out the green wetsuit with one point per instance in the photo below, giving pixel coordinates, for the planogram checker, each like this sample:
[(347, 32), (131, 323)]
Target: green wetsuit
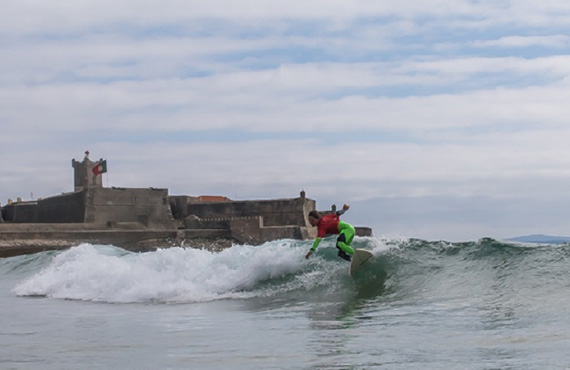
[(345, 237)]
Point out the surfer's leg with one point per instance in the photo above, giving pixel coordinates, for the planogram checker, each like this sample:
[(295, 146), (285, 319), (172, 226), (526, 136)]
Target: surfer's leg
[(344, 240), (342, 254), (343, 245)]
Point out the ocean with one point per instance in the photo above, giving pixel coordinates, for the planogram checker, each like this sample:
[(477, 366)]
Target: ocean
[(484, 304)]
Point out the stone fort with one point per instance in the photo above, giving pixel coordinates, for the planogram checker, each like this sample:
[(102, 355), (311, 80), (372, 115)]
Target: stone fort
[(146, 218)]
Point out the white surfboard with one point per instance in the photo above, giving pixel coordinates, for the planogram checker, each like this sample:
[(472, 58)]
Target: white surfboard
[(359, 258)]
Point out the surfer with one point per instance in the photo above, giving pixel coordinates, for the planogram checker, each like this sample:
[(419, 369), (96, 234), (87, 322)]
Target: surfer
[(331, 224)]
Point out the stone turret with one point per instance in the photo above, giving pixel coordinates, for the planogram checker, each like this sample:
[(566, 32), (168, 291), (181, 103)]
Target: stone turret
[(83, 174)]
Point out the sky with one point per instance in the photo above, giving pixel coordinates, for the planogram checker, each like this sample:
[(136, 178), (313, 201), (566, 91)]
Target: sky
[(434, 119)]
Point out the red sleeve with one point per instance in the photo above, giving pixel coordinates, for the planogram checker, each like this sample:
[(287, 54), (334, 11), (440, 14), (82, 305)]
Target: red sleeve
[(321, 231)]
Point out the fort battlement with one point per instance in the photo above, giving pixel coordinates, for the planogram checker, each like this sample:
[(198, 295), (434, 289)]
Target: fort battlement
[(147, 218)]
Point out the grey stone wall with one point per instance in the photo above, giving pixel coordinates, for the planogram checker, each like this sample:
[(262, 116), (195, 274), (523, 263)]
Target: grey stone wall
[(57, 209), (148, 206), (20, 212), (251, 221), (62, 208), (278, 212), (97, 205), (179, 205)]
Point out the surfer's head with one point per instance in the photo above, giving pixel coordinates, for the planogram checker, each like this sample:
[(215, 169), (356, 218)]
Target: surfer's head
[(314, 218)]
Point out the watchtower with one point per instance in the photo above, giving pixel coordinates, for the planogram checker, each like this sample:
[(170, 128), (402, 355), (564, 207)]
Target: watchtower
[(84, 177)]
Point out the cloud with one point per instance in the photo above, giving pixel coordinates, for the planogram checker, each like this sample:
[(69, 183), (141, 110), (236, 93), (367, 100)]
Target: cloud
[(550, 41), (68, 16), (29, 17), (301, 99)]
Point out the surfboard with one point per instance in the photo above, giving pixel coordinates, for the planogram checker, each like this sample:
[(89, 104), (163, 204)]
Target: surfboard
[(359, 258)]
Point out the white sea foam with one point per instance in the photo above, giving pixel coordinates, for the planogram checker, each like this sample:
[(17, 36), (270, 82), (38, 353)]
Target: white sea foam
[(108, 274)]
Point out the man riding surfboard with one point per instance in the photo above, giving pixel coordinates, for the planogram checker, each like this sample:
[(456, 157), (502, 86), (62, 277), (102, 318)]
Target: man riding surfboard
[(331, 224)]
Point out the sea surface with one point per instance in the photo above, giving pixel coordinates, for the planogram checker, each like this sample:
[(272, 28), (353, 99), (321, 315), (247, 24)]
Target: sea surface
[(484, 304)]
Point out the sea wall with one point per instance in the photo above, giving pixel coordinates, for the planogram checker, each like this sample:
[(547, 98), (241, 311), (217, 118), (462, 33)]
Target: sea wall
[(19, 239)]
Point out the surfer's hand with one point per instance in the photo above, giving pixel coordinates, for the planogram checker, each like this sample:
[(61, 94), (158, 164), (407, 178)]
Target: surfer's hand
[(309, 254)]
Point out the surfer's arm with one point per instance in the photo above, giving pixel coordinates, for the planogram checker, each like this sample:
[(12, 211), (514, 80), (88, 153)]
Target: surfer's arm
[(315, 245), (344, 209)]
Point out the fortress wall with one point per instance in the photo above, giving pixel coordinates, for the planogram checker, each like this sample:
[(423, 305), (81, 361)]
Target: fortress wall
[(206, 223), (251, 230), (179, 206), (128, 205), (285, 232), (62, 208), (274, 212), (284, 212), (66, 208), (20, 212)]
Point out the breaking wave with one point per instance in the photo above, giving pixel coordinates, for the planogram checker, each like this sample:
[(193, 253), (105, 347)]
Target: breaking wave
[(401, 269)]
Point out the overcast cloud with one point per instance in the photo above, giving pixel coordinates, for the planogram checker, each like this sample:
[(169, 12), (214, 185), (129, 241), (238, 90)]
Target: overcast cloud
[(434, 119)]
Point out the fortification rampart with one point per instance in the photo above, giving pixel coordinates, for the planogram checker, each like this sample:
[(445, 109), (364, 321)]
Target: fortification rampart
[(65, 208), (249, 221), (97, 205), (19, 211), (276, 212), (147, 206)]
